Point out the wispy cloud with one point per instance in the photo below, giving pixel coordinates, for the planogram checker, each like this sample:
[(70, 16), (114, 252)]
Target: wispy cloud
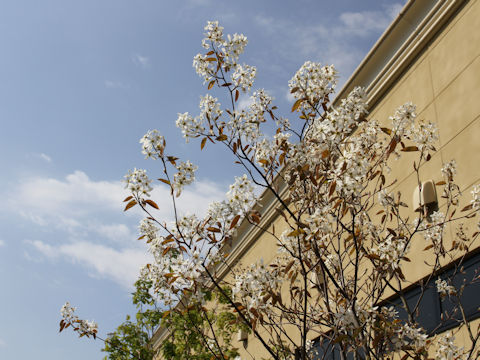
[(2, 243), (335, 43), (121, 266), (3, 343), (110, 84), (244, 102), (198, 3), (77, 208), (289, 96), (140, 60), (43, 157), (114, 232)]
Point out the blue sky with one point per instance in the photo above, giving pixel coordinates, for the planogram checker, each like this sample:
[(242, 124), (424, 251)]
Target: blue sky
[(80, 83)]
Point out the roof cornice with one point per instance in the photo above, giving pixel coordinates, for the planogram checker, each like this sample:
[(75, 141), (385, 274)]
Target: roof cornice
[(413, 29)]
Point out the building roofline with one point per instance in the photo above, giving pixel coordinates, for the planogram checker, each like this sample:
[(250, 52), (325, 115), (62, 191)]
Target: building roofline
[(415, 26), (412, 30)]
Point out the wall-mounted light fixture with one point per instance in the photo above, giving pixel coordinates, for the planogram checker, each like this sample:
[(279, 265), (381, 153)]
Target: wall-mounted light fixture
[(425, 197)]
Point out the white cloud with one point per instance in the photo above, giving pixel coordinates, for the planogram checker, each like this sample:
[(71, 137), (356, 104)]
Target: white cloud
[(115, 232), (244, 102), (76, 208), (65, 202), (3, 343), (140, 60), (121, 266), (76, 203), (109, 84), (2, 243), (331, 43), (199, 3), (394, 9), (289, 96), (43, 157), (364, 22)]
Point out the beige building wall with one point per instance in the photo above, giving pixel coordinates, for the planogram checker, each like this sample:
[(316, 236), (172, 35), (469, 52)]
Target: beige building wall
[(443, 80), (444, 83)]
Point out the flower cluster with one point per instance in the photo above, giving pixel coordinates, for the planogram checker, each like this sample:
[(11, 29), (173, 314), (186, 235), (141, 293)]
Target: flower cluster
[(447, 350), (443, 288), (251, 285), (226, 52), (221, 214), (213, 34), (234, 47), (403, 119), (346, 319), (243, 77), (202, 67), (173, 271), (476, 197), (153, 144), (148, 229), (241, 195), (83, 327), (424, 135), (184, 176), (261, 102), (391, 250), (412, 336), (319, 225), (449, 170), (209, 108), (313, 82), (384, 198), (244, 123), (138, 183), (191, 127), (434, 232)]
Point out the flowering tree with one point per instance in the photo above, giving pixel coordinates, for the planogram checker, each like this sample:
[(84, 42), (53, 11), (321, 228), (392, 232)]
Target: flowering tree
[(347, 234)]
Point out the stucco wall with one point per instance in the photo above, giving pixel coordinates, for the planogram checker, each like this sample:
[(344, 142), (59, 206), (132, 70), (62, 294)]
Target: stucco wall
[(444, 83)]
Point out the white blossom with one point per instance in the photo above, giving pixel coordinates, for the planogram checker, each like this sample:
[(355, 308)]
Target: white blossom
[(84, 327), (153, 144), (250, 286), (184, 176), (390, 250), (148, 229), (443, 288), (241, 195), (403, 119), (203, 67), (476, 197), (243, 77), (234, 47), (191, 127), (384, 198), (447, 350), (138, 182), (434, 232), (412, 336), (449, 170), (424, 135), (313, 82), (68, 312), (213, 33), (209, 107)]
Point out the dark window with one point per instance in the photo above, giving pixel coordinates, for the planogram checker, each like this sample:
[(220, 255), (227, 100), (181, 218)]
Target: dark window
[(430, 306)]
